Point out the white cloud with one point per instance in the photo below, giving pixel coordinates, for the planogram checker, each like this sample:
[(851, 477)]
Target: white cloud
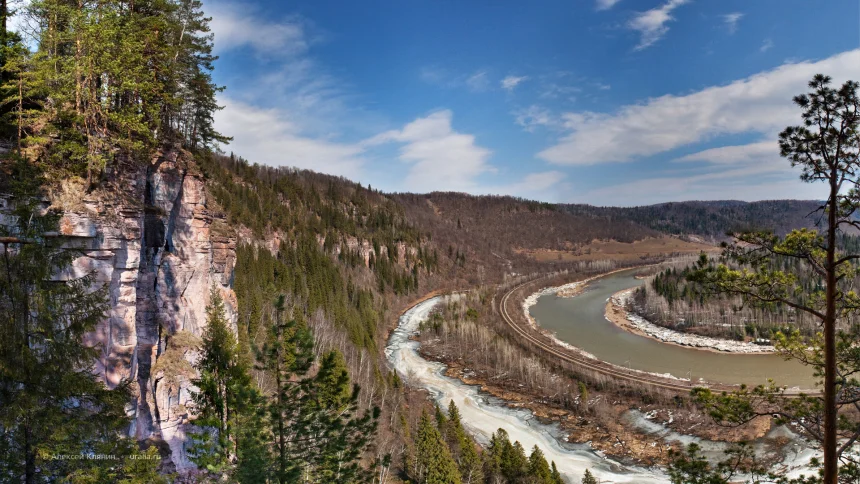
[(603, 87), (606, 4), (265, 136), (731, 20), (441, 158), (434, 75), (533, 186), (534, 116), (478, 81), (757, 182), (766, 45), (552, 90), (727, 155), (241, 25), (510, 82), (759, 104), (651, 24)]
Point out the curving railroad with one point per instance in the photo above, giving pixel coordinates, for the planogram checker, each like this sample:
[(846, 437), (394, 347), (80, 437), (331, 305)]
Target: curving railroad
[(598, 366)]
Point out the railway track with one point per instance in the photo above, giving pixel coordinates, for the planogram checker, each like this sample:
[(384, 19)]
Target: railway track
[(598, 366)]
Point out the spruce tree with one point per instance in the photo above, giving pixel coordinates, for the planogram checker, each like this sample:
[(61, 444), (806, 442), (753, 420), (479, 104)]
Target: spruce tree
[(539, 470), (464, 451), (434, 464), (286, 355), (318, 433), (588, 478), (330, 416), (224, 392), (52, 404)]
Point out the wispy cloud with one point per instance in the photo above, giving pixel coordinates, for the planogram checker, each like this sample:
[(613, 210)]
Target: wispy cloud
[(606, 4), (264, 135), (479, 81), (536, 186), (533, 117), (237, 26), (651, 24), (558, 87), (291, 112), (766, 45), (757, 104), (510, 82), (756, 182), (736, 154), (440, 157), (476, 81), (731, 21)]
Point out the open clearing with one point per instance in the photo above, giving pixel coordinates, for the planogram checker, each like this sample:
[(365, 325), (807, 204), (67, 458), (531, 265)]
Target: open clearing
[(610, 249)]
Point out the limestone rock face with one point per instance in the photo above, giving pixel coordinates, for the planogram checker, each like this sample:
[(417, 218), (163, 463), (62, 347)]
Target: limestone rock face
[(154, 246)]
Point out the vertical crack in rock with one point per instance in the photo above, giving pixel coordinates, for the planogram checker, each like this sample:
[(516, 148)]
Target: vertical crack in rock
[(156, 249), (174, 212), (152, 239)]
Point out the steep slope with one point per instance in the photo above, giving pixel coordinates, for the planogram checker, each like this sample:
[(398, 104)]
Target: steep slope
[(151, 238)]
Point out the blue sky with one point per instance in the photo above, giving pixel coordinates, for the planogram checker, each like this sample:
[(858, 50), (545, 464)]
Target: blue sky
[(609, 102)]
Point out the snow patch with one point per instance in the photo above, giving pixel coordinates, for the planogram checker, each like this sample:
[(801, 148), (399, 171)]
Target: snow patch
[(684, 339)]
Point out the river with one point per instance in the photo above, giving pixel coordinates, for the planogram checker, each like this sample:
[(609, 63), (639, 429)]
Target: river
[(581, 322), (482, 415)]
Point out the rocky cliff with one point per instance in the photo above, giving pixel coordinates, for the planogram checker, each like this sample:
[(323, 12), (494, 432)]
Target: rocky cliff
[(160, 248)]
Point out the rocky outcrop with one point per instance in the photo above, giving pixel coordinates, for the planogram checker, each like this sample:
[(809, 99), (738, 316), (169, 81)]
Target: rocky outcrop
[(157, 245)]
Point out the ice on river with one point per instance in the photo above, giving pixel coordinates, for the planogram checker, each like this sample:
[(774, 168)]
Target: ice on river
[(482, 417)]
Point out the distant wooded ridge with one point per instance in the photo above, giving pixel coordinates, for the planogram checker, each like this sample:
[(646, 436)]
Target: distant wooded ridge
[(576, 223)]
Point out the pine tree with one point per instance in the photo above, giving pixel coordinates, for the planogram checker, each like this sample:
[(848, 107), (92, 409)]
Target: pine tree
[(827, 150), (588, 478), (51, 401), (254, 459), (518, 462), (442, 424), (434, 462), (507, 459), (109, 83)]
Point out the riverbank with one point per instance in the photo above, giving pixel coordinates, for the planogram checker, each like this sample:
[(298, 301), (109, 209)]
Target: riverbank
[(612, 434), (606, 426), (482, 417), (617, 314), (567, 290)]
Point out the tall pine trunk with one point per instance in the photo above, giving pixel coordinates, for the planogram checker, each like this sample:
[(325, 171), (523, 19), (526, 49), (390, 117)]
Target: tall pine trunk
[(830, 458)]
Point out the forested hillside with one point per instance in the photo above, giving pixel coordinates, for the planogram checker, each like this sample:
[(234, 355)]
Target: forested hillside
[(228, 319), (491, 229), (710, 220)]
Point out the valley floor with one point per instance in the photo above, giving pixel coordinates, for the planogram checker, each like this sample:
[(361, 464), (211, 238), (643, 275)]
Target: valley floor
[(616, 427)]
